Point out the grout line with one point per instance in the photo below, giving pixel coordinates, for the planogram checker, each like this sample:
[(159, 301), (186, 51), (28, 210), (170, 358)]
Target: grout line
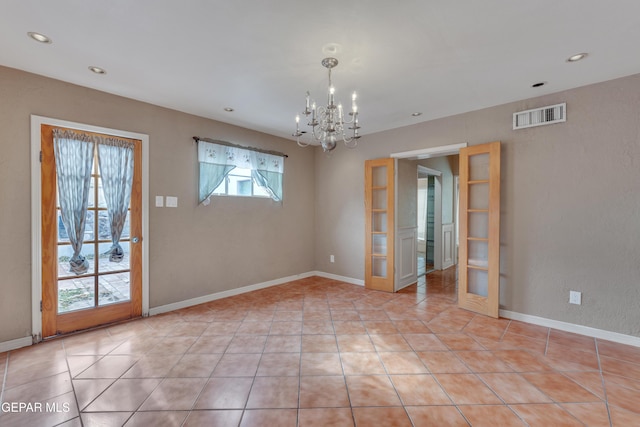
[(604, 385), (300, 363), (207, 379), (516, 412), (121, 375), (73, 388), (344, 376), (505, 331), (317, 298), (546, 346)]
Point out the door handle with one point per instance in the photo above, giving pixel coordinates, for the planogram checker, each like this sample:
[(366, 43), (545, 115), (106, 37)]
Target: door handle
[(135, 239)]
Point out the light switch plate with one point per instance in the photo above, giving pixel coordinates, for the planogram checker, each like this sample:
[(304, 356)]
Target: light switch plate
[(575, 297), (172, 202), (159, 201)]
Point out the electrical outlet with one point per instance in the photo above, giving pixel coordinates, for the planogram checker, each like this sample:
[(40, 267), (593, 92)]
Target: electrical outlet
[(575, 297), (332, 258)]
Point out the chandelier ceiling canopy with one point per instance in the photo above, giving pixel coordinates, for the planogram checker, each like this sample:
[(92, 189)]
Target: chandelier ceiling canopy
[(328, 123)]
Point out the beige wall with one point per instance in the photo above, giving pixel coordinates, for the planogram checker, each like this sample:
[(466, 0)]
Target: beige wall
[(194, 250), (570, 202)]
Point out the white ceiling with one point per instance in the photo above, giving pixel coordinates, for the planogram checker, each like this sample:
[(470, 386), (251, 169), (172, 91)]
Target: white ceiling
[(439, 57)]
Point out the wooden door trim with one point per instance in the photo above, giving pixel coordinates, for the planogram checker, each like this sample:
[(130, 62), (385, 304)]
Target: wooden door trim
[(36, 211), (49, 223), (493, 300), (135, 230), (77, 321)]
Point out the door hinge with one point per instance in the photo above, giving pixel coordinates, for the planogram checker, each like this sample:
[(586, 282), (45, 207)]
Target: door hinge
[(40, 306), (40, 156)]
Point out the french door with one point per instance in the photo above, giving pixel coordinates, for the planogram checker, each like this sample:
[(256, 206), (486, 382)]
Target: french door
[(479, 252), (108, 291), (379, 224)]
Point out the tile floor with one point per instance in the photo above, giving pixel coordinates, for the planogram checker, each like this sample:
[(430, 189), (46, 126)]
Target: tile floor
[(320, 352)]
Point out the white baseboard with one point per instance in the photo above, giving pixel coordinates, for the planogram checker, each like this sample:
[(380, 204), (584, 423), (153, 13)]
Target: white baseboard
[(541, 321), (224, 294), (570, 327), (358, 282), (27, 341), (15, 344)]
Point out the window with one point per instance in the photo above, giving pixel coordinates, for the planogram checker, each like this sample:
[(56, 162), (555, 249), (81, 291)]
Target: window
[(235, 171), (240, 183)]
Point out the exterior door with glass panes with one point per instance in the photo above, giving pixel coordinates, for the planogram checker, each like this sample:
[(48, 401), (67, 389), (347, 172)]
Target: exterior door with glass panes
[(379, 224), (108, 291), (479, 252)]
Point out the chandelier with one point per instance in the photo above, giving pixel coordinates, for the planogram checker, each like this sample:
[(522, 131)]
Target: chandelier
[(328, 123)]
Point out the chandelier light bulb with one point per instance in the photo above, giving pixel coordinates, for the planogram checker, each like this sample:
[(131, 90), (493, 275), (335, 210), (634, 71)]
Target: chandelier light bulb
[(332, 91)]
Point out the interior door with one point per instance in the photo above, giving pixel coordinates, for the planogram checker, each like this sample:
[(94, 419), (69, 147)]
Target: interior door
[(107, 292), (379, 224), (479, 252)]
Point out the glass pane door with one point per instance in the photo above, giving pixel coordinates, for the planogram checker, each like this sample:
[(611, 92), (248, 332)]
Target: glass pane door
[(379, 201), (108, 291), (479, 278), (105, 282)]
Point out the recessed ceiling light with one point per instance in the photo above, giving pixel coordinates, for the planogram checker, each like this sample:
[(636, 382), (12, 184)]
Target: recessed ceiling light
[(577, 57), (39, 37), (228, 109), (332, 49), (97, 70), (416, 114), (538, 84)]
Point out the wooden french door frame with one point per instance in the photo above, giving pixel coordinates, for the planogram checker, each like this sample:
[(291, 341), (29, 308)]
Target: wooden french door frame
[(36, 212), (479, 213)]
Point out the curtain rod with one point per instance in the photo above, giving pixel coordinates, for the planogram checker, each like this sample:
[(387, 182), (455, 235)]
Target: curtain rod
[(228, 144)]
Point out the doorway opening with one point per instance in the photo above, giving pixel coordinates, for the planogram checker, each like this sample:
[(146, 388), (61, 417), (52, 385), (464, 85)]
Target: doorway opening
[(426, 212), (479, 207), (426, 194)]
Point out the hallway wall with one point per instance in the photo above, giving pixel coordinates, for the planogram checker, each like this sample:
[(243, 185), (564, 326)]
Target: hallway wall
[(569, 202)]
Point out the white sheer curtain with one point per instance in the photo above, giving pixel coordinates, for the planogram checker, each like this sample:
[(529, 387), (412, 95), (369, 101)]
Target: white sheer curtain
[(115, 159), (217, 160), (74, 162)]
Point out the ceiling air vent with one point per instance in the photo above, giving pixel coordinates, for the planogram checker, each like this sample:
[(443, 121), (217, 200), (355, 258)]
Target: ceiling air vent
[(540, 116)]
